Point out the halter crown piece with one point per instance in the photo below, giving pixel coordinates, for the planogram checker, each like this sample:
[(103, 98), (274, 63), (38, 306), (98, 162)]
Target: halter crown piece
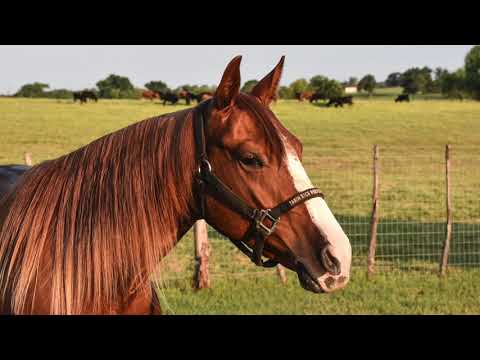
[(263, 222)]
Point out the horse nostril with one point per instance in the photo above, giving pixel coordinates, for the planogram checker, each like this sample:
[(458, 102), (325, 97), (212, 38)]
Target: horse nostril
[(330, 262)]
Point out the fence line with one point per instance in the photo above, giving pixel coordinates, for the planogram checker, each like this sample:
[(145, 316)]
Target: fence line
[(412, 230)]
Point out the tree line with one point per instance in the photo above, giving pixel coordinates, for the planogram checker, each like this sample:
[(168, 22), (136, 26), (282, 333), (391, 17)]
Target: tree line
[(460, 83), (112, 87)]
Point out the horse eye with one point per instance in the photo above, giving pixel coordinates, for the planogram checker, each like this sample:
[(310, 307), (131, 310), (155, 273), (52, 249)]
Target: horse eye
[(251, 160)]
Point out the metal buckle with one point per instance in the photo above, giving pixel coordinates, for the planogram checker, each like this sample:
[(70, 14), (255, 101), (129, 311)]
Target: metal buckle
[(204, 162), (265, 214)]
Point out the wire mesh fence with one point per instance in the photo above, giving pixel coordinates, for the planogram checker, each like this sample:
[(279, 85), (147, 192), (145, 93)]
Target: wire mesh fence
[(412, 211)]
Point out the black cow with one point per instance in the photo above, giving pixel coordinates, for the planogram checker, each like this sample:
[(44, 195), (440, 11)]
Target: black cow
[(168, 97), (317, 96), (403, 98), (83, 96), (340, 101)]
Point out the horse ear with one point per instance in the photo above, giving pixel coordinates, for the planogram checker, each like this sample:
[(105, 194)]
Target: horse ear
[(266, 89), (230, 85)]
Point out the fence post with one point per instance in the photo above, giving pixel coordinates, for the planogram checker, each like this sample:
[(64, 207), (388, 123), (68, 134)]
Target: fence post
[(28, 159), (374, 219), (202, 253), (281, 274), (448, 238)]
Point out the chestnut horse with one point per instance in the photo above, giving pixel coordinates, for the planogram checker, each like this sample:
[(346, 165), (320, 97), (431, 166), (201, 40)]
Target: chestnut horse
[(82, 234)]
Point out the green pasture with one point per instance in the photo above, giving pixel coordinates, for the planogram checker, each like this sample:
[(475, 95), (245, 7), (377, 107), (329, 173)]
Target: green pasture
[(338, 156)]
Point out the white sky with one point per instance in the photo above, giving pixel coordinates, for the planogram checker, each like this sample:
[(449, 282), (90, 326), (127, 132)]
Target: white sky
[(78, 67)]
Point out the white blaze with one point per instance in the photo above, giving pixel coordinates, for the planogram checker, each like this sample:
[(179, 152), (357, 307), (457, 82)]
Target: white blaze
[(321, 214)]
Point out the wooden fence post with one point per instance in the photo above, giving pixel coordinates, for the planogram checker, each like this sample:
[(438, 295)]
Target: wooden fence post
[(281, 274), (28, 159), (202, 253), (374, 219), (448, 238)]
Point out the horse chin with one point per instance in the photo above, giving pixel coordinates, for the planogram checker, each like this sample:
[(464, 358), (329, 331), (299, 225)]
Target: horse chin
[(308, 282)]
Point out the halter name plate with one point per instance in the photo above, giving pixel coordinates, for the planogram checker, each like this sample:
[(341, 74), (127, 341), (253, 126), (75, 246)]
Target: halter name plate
[(311, 193)]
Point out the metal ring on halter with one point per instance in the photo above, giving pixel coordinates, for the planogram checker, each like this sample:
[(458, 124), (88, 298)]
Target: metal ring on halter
[(204, 162)]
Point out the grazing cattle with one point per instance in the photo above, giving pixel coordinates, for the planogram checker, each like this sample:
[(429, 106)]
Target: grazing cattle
[(340, 101), (402, 98), (149, 95), (317, 96), (187, 95), (83, 96), (168, 97)]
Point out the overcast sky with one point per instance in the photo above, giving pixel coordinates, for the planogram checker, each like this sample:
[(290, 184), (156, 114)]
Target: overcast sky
[(77, 67)]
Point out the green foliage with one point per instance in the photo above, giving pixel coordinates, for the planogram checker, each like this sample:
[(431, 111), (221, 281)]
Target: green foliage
[(59, 94), (157, 86), (116, 87), (35, 90), (249, 85), (417, 80), (368, 84), (393, 80), (196, 89), (352, 81), (472, 72), (285, 92), (299, 86), (452, 85), (328, 87)]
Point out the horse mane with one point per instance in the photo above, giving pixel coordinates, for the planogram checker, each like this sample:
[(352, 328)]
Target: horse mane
[(98, 219)]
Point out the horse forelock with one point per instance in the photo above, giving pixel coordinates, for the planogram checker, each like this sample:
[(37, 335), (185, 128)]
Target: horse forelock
[(267, 121), (98, 218)]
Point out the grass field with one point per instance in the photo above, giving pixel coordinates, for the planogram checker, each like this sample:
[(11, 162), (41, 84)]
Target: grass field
[(337, 155)]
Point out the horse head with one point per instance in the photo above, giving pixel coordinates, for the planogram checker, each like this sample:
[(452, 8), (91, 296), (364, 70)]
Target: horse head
[(260, 161)]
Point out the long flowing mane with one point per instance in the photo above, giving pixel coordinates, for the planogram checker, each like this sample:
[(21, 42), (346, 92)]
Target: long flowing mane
[(98, 218)]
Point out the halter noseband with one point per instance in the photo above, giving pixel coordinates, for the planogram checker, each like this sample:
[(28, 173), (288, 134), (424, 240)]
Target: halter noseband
[(262, 221)]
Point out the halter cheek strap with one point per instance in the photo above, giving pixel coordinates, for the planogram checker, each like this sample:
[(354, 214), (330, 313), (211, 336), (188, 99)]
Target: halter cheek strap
[(263, 222)]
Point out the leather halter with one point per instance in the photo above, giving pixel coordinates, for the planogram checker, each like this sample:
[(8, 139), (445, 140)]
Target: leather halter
[(262, 221)]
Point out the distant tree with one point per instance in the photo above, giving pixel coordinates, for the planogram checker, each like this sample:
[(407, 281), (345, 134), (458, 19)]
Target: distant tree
[(185, 87), (439, 74), (368, 84), (452, 84), (328, 87), (35, 90), (299, 86), (158, 86), (249, 85), (427, 73), (116, 87), (285, 93), (352, 81), (59, 94), (472, 72), (393, 80), (417, 80)]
